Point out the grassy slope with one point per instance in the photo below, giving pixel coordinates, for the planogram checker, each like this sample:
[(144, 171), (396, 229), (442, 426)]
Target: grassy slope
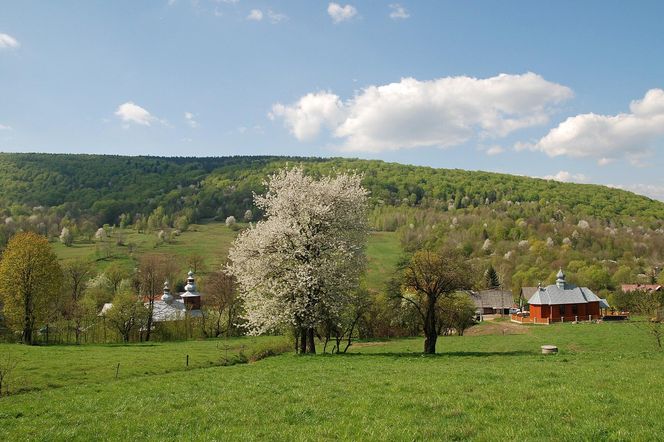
[(212, 241), (44, 368), (481, 387), (383, 252)]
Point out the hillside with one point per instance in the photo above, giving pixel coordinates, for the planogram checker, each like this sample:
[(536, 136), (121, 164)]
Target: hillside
[(211, 242), (526, 228), (102, 188)]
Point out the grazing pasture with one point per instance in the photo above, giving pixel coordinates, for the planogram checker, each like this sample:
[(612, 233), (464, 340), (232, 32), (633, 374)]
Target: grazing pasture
[(211, 241), (606, 383)]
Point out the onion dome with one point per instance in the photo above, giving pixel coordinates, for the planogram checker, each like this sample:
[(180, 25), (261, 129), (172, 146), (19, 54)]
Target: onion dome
[(560, 279), (167, 297), (191, 285)]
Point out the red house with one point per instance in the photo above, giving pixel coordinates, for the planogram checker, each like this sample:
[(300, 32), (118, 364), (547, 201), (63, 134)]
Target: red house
[(563, 302)]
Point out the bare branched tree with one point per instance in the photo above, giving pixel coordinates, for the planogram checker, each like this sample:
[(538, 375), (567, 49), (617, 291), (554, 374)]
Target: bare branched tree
[(220, 297), (428, 278), (7, 366)]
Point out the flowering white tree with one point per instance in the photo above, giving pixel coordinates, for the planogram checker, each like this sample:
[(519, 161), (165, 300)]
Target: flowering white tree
[(301, 263)]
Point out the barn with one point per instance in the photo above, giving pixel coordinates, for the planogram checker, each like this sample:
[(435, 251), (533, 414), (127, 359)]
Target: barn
[(563, 302), (492, 301)]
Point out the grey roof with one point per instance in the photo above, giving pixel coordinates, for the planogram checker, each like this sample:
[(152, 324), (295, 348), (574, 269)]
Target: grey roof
[(492, 298), (554, 295), (174, 311), (603, 303), (163, 311), (527, 292)]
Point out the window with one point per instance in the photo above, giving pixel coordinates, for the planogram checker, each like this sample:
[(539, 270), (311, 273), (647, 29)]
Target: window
[(575, 309), (562, 309)]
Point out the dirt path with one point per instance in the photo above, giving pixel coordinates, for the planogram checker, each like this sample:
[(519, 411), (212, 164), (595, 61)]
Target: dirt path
[(497, 328)]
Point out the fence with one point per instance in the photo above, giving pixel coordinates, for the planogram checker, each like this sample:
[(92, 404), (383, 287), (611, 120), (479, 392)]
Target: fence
[(547, 321), (528, 320)]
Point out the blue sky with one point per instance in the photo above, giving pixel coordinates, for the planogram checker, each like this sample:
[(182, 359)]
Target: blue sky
[(571, 90)]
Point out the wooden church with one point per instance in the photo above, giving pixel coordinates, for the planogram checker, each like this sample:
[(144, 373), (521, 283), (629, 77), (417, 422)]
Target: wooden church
[(563, 302)]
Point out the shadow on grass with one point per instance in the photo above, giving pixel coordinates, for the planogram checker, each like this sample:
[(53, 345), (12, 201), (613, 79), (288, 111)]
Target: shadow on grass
[(131, 345), (451, 354)]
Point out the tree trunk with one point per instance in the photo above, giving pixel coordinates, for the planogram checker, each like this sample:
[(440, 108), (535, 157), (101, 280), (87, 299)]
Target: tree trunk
[(430, 329), (27, 320), (311, 343), (77, 331), (230, 321), (27, 334), (303, 340), (218, 328), (151, 310), (430, 344)]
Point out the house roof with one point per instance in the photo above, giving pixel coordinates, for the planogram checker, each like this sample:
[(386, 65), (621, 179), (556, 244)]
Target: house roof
[(641, 287), (174, 311), (492, 298), (556, 295), (527, 292)]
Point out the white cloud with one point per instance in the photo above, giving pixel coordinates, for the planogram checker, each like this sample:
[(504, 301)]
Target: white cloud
[(398, 12), (567, 177), (495, 150), (5, 127), (341, 13), (133, 113), (610, 137), (8, 42), (653, 191), (191, 121), (255, 15), (276, 17), (310, 114), (411, 113)]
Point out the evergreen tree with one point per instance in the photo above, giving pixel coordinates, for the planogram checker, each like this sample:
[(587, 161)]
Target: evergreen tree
[(491, 277)]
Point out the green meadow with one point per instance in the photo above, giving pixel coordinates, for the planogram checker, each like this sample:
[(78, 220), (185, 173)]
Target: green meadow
[(209, 240), (212, 242), (606, 383)]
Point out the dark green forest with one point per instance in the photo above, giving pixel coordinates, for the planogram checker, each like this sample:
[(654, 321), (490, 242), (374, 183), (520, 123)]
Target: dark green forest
[(103, 188)]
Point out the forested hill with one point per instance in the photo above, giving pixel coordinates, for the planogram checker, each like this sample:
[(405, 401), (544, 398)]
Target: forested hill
[(103, 189)]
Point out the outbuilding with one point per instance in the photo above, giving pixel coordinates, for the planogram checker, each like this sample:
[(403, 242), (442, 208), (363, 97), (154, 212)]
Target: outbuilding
[(492, 301)]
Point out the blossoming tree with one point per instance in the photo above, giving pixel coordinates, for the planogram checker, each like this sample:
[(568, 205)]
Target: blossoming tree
[(299, 265)]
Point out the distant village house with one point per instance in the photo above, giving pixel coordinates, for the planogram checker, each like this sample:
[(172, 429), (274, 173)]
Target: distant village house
[(492, 301)]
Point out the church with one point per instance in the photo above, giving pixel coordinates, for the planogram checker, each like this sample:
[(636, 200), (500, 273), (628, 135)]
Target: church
[(563, 302)]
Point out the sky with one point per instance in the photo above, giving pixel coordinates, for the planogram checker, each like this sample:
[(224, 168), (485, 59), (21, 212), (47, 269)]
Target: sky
[(565, 90)]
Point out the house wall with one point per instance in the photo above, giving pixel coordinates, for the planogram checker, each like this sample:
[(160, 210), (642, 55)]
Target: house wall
[(570, 311), (539, 311)]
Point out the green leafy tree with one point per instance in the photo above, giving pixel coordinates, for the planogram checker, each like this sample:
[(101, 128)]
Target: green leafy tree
[(458, 312), (30, 282), (127, 314), (77, 273)]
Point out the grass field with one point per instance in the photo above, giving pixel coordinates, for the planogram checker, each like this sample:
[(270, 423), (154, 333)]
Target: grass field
[(605, 384), (212, 241)]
